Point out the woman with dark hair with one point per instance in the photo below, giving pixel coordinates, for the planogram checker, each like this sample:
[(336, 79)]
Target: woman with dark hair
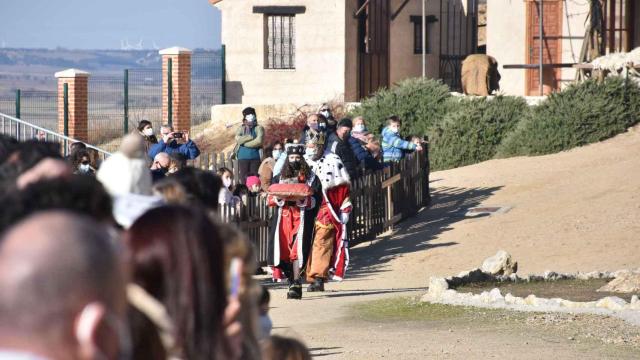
[(177, 259), (292, 225), (145, 129), (81, 163)]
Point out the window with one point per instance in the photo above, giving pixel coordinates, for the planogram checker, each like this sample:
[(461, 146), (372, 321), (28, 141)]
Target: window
[(280, 41), (417, 33)]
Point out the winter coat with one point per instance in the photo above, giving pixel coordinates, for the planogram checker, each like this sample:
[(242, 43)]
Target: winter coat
[(189, 149), (363, 156), (343, 149), (393, 146)]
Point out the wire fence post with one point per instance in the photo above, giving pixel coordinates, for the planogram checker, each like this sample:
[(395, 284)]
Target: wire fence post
[(18, 103), (169, 92), (224, 74), (125, 102)]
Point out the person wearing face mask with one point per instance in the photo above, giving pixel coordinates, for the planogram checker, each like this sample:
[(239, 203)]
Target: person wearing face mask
[(225, 197), (82, 163), (160, 166), (338, 143), (292, 225), (249, 139), (265, 171), (393, 146), (358, 140), (325, 111), (315, 123), (329, 254), (145, 129)]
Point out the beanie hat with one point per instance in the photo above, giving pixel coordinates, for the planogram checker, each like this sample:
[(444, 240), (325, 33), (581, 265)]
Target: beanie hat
[(345, 122), (252, 180), (248, 110)]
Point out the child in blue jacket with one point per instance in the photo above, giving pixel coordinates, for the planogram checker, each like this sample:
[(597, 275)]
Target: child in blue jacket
[(393, 146)]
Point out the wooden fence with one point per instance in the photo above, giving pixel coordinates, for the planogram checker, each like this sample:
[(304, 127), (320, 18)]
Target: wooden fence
[(380, 200)]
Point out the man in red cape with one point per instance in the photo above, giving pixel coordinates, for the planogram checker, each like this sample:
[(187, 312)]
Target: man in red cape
[(329, 256)]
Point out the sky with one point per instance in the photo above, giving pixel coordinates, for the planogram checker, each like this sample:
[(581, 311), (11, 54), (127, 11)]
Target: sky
[(105, 24)]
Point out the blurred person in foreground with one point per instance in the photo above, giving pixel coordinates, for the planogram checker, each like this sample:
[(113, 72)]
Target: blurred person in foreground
[(283, 348), (160, 166), (127, 178), (63, 294), (179, 282)]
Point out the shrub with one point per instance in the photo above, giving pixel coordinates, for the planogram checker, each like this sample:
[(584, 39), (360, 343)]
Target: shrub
[(581, 114), (474, 130), (420, 103), (280, 129)]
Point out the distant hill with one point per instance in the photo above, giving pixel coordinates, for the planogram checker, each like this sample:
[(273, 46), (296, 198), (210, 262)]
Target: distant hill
[(33, 69)]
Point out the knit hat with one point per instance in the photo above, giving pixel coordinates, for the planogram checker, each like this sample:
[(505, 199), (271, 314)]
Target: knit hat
[(248, 110), (295, 149), (252, 180), (345, 122)]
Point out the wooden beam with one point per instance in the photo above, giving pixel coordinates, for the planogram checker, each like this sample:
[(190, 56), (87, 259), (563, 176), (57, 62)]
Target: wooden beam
[(361, 9), (279, 10), (392, 180), (395, 14)]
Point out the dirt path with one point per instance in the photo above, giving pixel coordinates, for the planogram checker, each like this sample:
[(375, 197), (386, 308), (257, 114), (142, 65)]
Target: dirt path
[(574, 211)]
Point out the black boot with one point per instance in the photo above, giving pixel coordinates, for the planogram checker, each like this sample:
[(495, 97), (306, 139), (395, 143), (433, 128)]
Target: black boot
[(318, 285), (295, 290)]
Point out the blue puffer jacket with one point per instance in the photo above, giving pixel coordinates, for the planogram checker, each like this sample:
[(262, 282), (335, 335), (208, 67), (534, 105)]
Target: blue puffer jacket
[(363, 155), (393, 146)]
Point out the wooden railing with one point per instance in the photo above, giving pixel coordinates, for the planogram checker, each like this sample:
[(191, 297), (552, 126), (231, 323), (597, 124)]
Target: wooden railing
[(380, 200)]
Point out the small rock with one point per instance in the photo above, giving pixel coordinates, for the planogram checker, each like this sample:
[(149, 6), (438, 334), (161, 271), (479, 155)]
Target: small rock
[(500, 264), (611, 303), (625, 282), (437, 286)]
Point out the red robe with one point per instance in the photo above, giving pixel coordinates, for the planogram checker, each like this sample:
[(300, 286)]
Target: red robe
[(334, 203)]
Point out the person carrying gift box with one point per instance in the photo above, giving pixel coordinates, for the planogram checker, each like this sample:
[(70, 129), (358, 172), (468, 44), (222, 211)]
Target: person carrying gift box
[(295, 193)]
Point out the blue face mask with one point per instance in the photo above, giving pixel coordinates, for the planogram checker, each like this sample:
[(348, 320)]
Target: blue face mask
[(276, 154)]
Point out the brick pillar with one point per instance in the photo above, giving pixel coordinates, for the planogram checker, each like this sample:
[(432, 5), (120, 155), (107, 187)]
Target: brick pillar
[(77, 81), (181, 87)]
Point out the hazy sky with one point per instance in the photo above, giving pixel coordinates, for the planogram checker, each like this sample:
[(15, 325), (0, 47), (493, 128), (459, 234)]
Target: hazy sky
[(103, 24)]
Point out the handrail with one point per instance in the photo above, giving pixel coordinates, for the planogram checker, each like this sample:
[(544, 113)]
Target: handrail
[(15, 123)]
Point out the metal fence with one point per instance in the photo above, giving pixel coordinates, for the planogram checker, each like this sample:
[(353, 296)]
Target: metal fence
[(24, 131), (116, 103)]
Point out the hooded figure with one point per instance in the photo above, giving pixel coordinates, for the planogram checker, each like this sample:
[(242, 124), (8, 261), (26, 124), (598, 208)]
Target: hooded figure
[(329, 256), (127, 179), (292, 225)]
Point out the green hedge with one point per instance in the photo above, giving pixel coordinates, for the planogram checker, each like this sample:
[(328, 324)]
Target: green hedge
[(581, 114), (474, 130), (466, 131), (420, 103)]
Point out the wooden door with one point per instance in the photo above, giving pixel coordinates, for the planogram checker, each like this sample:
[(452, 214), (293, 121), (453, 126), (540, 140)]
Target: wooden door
[(551, 45), (373, 47)]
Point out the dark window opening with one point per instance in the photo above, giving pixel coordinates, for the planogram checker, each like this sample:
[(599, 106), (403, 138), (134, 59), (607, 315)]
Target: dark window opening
[(417, 33)]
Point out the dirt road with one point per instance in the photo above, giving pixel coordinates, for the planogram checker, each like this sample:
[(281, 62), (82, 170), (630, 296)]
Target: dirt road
[(574, 211)]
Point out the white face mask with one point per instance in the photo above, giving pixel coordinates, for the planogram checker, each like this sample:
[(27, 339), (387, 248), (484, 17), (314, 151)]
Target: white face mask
[(276, 154), (250, 118), (359, 128), (226, 182), (84, 168), (325, 113), (310, 152), (147, 132), (394, 130)]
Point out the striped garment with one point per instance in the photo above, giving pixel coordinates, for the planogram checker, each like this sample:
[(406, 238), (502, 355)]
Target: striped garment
[(393, 146)]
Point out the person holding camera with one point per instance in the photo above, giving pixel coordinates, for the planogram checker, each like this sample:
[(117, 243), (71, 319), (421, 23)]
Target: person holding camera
[(174, 142)]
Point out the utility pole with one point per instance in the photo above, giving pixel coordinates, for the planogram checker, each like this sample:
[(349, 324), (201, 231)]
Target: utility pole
[(424, 39)]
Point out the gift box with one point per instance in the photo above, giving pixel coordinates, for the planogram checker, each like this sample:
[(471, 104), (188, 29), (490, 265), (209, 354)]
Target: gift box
[(290, 192)]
